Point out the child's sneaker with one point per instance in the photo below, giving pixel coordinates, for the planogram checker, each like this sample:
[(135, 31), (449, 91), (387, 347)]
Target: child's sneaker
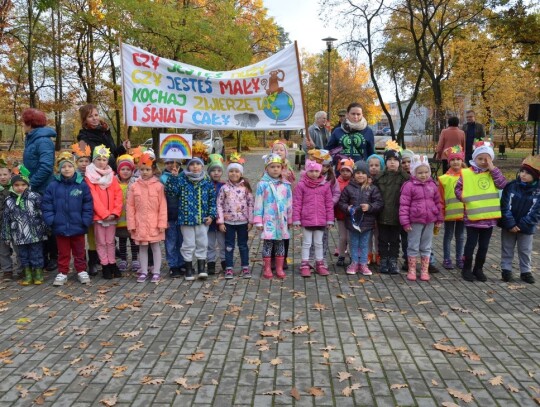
[(340, 261), (246, 273), (141, 278), (321, 268), (229, 274), (352, 269), (135, 265), (305, 269), (447, 264), (156, 278), (459, 263), (122, 265), (60, 279), (83, 277), (364, 269)]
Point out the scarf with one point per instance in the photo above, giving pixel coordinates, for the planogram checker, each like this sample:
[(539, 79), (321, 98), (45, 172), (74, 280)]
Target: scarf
[(101, 126), (20, 200), (103, 178), (313, 183), (194, 176), (352, 127)]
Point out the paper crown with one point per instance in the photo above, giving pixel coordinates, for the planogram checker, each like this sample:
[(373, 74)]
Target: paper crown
[(272, 158), (392, 145), (278, 141), (455, 152), (102, 151), (147, 159), (321, 156), (419, 161), (482, 143), (346, 163), (79, 152), (64, 156), (532, 165), (235, 157), (199, 150), (22, 172), (215, 161)]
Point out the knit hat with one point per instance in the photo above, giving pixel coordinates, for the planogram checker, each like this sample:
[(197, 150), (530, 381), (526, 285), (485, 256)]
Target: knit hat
[(195, 160), (20, 173), (455, 153), (418, 161), (393, 150), (215, 161), (406, 153), (125, 160), (531, 164), (346, 163), (312, 165), (272, 158), (378, 157), (101, 151), (361, 166), (235, 162), (481, 147), (283, 143), (63, 158)]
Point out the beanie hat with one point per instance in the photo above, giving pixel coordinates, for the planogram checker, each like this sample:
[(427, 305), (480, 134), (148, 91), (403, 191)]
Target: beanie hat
[(392, 151), (63, 158), (20, 173), (235, 162), (531, 164), (215, 161), (378, 157), (406, 153), (125, 160), (283, 143), (346, 163), (313, 166), (455, 153), (195, 160), (481, 147), (361, 166), (419, 161), (101, 151), (272, 158)]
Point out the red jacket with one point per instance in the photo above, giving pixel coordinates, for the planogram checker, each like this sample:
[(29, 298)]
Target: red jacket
[(106, 201), (340, 215)]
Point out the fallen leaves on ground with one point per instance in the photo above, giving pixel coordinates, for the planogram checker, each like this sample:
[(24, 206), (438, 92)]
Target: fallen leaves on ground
[(273, 393), (347, 391), (32, 375), (344, 376), (478, 372), (276, 361), (496, 381), (512, 389), (109, 401), (87, 371), (274, 334), (131, 334), (195, 356), (424, 302), (462, 310), (363, 369), (182, 381), (369, 317), (295, 394), (466, 397), (22, 391), (136, 346), (398, 386), (253, 361), (150, 380), (315, 392), (118, 370), (319, 307)]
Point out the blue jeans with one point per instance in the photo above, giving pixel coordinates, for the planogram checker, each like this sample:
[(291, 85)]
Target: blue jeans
[(173, 243), (358, 243), (240, 233), (31, 255), (453, 228)]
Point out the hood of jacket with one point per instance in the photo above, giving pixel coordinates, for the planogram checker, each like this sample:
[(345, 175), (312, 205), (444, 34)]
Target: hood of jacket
[(40, 132)]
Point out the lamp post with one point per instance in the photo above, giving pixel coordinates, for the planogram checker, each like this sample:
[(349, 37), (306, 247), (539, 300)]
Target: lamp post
[(329, 42)]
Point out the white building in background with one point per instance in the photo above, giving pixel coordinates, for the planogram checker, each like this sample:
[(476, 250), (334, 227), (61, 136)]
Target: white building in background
[(416, 124)]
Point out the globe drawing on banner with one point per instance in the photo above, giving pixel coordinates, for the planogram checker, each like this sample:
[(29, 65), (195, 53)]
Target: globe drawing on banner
[(278, 107)]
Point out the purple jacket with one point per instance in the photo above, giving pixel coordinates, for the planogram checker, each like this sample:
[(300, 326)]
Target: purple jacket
[(420, 202), (312, 202), (500, 182)]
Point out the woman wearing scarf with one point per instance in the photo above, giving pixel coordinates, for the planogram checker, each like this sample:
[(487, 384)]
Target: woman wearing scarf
[(354, 136), (95, 132)]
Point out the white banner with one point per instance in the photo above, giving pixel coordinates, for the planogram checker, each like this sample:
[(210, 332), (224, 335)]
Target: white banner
[(160, 92)]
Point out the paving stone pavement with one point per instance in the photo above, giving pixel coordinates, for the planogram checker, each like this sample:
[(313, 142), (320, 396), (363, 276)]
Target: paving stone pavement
[(338, 340)]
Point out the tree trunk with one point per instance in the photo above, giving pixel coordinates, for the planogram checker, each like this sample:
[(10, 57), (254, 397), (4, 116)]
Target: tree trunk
[(115, 95), (30, 56)]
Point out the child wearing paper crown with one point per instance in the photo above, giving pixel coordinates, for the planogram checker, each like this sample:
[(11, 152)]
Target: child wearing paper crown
[(216, 238), (147, 217), (420, 209), (345, 168), (107, 196), (313, 209), (125, 166), (273, 213), (22, 224), (389, 183), (196, 210), (68, 210), (6, 263), (477, 188), (520, 209), (235, 215), (452, 208)]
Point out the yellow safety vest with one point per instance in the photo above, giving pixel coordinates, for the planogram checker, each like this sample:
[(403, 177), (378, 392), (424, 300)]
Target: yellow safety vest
[(480, 196), (453, 206)]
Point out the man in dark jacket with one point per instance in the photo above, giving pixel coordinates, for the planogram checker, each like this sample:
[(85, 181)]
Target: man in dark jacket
[(473, 131)]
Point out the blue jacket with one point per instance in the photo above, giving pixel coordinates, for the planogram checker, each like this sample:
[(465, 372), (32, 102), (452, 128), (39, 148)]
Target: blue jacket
[(38, 157), (520, 206), (197, 200), (357, 144), (172, 200), (67, 206), (217, 185)]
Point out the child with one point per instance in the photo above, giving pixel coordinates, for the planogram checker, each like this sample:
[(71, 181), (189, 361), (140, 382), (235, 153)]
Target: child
[(273, 213), (452, 208), (216, 238), (147, 217), (420, 209), (83, 157), (107, 196), (389, 183), (173, 234), (406, 157), (235, 215), (125, 167), (6, 264), (196, 210), (279, 147), (477, 188), (520, 209), (345, 168), (376, 165), (313, 209), (23, 224), (68, 210), (361, 201)]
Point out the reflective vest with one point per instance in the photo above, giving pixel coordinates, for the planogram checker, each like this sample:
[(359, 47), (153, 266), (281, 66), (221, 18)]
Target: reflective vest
[(453, 206), (480, 196)]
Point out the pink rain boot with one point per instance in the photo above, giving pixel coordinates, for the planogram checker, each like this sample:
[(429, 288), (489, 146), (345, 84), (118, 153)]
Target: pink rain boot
[(411, 275), (424, 272)]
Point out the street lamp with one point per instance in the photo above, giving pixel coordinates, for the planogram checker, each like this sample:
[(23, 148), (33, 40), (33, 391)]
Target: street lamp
[(329, 42)]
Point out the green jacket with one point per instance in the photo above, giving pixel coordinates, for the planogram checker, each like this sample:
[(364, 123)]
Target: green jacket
[(389, 184)]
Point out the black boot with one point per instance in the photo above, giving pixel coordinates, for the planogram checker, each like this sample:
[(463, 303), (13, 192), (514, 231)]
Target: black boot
[(201, 269), (211, 268), (188, 265), (93, 261), (477, 270), (116, 271), (467, 273), (175, 272), (223, 266), (393, 265), (107, 271), (383, 268)]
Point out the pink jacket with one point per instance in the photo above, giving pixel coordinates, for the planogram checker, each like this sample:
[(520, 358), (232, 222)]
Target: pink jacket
[(146, 210), (312, 203), (420, 202), (234, 204)]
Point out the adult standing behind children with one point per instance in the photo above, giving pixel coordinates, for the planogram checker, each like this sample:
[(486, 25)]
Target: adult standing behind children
[(318, 133), (473, 131), (450, 137)]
